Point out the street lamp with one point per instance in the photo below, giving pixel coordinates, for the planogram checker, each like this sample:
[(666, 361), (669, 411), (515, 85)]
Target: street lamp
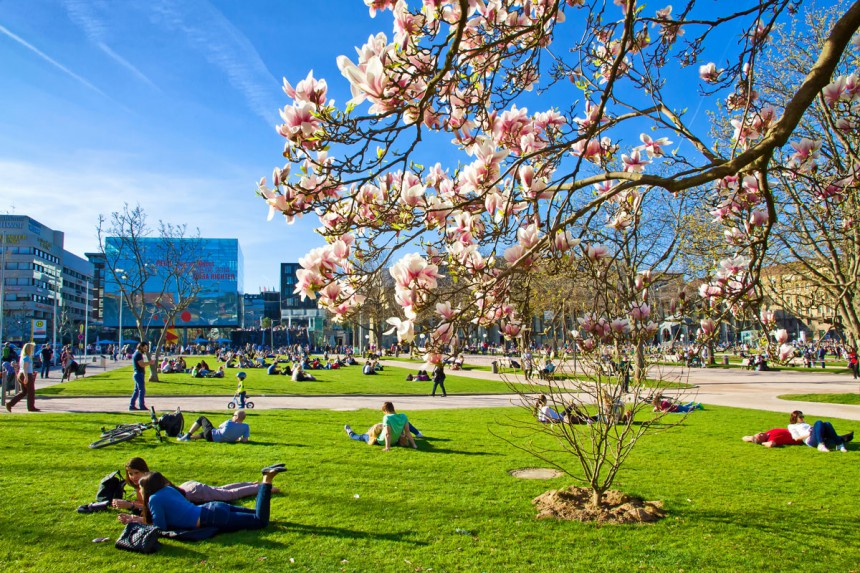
[(120, 274)]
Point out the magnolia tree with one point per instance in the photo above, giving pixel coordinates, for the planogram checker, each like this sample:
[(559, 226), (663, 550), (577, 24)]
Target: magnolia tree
[(560, 115)]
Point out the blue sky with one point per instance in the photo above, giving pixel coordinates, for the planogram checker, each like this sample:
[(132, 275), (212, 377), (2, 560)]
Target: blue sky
[(168, 104), (172, 105)]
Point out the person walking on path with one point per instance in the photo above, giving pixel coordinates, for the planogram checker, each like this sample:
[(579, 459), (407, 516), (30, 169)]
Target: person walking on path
[(27, 379), (439, 380), (47, 355), (140, 360)]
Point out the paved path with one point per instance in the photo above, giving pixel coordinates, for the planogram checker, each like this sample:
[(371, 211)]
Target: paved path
[(723, 387)]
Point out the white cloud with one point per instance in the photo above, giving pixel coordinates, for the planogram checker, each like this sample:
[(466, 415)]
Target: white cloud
[(225, 47)]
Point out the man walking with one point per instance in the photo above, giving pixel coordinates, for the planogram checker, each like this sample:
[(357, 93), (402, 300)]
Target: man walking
[(47, 355)]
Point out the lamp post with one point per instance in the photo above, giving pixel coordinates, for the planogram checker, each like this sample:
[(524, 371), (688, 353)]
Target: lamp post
[(2, 287), (120, 275), (56, 290), (87, 321)]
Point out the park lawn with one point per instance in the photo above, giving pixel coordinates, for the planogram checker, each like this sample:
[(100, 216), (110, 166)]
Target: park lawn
[(450, 506), (826, 398), (348, 380)]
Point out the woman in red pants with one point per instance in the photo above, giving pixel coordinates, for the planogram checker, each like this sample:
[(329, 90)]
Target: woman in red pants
[(27, 378)]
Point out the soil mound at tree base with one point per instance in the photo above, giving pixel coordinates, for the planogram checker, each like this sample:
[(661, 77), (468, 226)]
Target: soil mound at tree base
[(574, 503)]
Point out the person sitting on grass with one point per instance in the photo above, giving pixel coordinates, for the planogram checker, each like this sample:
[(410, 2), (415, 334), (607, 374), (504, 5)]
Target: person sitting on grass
[(218, 373), (193, 491), (395, 429), (663, 405), (819, 435), (299, 374), (773, 438), (168, 510), (233, 430), (368, 368)]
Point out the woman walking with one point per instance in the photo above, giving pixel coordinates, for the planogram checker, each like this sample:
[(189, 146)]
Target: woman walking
[(27, 379)]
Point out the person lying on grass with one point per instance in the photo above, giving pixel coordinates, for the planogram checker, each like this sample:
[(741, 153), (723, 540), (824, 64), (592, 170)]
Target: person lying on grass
[(233, 430), (168, 510), (819, 435), (663, 405), (194, 491), (547, 414), (773, 438), (394, 429)]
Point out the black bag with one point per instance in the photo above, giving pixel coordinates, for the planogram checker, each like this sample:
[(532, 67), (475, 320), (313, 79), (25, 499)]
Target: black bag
[(138, 538), (172, 424), (111, 487)]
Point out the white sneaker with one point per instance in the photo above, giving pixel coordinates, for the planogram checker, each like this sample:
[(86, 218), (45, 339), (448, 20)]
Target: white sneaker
[(183, 438), (348, 430), (842, 448), (822, 448)]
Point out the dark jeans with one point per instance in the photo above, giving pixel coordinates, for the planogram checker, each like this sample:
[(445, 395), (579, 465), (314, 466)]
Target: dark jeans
[(139, 394), (440, 384), (823, 433), (242, 396), (46, 368), (228, 517)]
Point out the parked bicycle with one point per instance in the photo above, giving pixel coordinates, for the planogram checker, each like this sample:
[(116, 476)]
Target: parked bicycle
[(171, 424)]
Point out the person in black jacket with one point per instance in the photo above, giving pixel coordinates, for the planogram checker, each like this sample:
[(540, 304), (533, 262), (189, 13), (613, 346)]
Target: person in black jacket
[(47, 355), (439, 379)]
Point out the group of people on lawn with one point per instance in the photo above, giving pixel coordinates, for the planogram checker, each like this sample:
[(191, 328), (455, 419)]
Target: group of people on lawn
[(194, 505), (820, 435)]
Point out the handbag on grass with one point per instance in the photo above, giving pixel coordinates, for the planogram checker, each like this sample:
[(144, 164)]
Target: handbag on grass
[(138, 538)]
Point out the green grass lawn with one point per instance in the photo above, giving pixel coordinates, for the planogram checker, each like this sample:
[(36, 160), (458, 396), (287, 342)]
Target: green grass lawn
[(349, 380), (450, 506), (826, 398)]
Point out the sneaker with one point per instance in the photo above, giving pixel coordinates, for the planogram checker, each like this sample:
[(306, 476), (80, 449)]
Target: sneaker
[(132, 409), (699, 407), (184, 438), (348, 429), (847, 437), (418, 435), (842, 448), (822, 448)]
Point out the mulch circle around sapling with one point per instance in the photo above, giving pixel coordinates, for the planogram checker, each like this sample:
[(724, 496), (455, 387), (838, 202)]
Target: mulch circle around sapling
[(574, 503)]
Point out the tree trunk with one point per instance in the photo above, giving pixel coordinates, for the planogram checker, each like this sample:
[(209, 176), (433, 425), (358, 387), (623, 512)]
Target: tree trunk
[(153, 371), (639, 372), (596, 497)]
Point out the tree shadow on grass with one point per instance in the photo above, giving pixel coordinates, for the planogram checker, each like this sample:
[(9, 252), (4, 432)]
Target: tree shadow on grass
[(427, 447), (770, 522)]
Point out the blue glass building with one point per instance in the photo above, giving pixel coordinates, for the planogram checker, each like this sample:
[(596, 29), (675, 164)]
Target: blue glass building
[(219, 272)]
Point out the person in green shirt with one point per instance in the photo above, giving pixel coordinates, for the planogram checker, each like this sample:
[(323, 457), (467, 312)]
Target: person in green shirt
[(395, 429)]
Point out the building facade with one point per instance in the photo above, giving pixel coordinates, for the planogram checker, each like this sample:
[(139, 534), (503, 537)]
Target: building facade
[(217, 268), (44, 289)]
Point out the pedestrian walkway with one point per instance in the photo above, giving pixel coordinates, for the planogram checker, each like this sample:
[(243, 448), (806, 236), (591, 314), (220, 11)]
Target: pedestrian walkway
[(714, 386)]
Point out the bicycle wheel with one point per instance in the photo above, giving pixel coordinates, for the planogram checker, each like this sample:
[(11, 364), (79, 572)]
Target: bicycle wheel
[(112, 439), (123, 429), (249, 405)]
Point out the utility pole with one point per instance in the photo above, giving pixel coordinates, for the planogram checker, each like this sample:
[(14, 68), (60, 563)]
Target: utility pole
[(2, 283)]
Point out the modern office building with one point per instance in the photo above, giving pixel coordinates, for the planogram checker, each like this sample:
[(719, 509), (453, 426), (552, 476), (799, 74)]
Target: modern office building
[(218, 269), (43, 288), (296, 312)]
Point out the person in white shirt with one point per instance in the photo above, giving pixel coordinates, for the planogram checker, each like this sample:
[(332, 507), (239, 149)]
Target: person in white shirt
[(819, 435)]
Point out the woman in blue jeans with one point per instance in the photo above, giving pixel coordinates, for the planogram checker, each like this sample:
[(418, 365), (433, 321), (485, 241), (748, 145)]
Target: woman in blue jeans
[(167, 509), (819, 435)]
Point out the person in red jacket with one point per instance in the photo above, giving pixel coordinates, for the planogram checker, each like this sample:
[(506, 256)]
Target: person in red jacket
[(773, 438)]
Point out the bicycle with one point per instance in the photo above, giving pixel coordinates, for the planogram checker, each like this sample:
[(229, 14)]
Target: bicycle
[(169, 423), (234, 403)]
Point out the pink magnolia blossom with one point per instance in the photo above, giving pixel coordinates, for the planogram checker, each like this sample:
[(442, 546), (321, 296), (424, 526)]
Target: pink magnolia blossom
[(405, 329), (639, 312), (643, 279), (758, 218), (510, 330), (767, 317), (634, 162), (587, 344), (413, 270), (596, 252), (708, 326), (654, 147), (834, 91), (563, 241), (786, 352), (780, 335), (620, 326), (309, 90), (444, 310), (709, 72)]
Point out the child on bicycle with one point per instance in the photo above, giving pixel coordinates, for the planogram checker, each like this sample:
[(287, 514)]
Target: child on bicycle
[(240, 389)]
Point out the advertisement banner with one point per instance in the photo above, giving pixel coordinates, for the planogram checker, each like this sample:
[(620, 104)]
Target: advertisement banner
[(40, 328)]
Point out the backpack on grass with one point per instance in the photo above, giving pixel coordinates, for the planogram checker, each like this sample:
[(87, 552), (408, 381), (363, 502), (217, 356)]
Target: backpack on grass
[(111, 487), (172, 424)]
